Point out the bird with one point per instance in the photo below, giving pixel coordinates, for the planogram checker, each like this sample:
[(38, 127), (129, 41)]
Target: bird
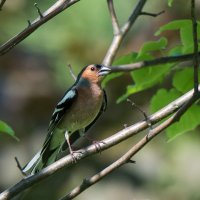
[(79, 108)]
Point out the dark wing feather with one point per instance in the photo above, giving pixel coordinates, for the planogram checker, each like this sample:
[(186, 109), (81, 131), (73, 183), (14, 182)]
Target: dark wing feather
[(77, 134), (61, 108)]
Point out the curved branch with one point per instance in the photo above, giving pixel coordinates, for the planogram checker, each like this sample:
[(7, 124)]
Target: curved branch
[(115, 23), (54, 10), (154, 62), (90, 150)]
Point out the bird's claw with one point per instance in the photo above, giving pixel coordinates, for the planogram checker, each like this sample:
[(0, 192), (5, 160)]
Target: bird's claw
[(76, 155)]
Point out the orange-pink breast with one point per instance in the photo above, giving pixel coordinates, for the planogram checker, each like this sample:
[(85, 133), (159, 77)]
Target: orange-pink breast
[(84, 110)]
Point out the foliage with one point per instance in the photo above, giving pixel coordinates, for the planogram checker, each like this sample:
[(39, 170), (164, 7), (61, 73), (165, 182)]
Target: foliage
[(5, 128), (182, 80), (170, 2)]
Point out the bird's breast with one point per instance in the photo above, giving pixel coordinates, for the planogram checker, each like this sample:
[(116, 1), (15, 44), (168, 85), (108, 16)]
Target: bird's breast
[(84, 110)]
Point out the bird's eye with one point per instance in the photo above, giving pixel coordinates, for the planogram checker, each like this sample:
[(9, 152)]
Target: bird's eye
[(92, 68)]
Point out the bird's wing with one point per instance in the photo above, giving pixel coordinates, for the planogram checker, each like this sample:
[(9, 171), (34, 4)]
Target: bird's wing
[(60, 110), (77, 134), (62, 106), (47, 151)]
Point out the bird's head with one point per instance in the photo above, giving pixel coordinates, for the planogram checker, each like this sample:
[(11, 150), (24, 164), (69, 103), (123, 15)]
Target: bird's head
[(94, 72)]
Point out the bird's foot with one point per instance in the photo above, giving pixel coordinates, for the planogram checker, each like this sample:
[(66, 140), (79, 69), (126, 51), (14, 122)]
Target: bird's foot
[(76, 155)]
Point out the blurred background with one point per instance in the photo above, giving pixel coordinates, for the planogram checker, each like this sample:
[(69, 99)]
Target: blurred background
[(34, 76)]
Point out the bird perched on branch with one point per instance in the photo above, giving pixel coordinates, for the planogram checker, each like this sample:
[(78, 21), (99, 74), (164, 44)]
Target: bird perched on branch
[(79, 108)]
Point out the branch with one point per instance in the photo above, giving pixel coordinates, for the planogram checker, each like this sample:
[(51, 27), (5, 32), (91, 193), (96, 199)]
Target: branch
[(38, 10), (71, 72), (121, 33), (127, 156), (115, 24), (152, 14), (157, 61), (2, 3), (54, 10), (195, 41), (90, 150)]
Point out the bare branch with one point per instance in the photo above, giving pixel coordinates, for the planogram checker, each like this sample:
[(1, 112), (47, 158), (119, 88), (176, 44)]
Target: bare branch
[(115, 24), (152, 14), (117, 39), (195, 41), (1, 4), (29, 22), (71, 72), (157, 61), (54, 10), (19, 166), (127, 156), (38, 10), (140, 110), (90, 150)]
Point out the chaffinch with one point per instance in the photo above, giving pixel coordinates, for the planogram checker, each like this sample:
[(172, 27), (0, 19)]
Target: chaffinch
[(77, 111)]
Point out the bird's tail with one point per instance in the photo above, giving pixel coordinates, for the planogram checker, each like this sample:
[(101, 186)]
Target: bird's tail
[(29, 168), (37, 163), (49, 153)]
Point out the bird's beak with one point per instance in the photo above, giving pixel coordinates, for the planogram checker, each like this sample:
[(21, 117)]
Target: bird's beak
[(104, 71)]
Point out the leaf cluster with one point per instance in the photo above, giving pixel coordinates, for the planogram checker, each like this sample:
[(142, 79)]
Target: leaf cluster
[(182, 77)]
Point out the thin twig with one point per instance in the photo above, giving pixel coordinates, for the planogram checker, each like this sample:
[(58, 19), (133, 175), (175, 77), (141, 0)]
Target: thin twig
[(195, 41), (154, 62), (20, 167), (140, 110), (29, 22), (54, 10), (71, 72), (115, 23), (152, 14), (1, 4), (90, 150), (127, 156), (38, 10)]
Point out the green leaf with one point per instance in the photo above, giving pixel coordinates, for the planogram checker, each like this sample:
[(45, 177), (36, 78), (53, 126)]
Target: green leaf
[(162, 98), (183, 80), (174, 25), (170, 3), (127, 59), (187, 38), (186, 33), (153, 46), (146, 78), (188, 122), (5, 128), (185, 30), (177, 50)]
